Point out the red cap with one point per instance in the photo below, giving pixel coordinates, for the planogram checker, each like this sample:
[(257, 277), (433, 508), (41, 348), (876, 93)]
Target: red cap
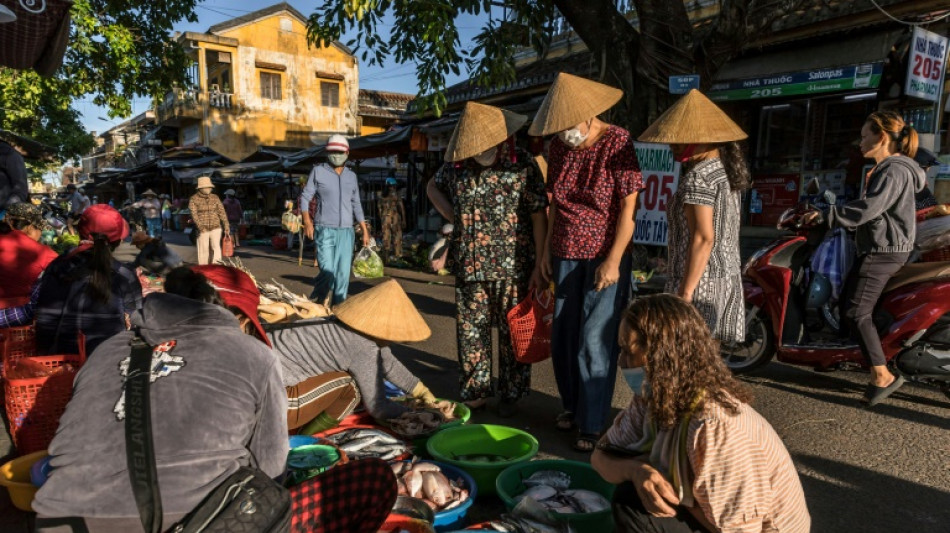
[(101, 218), (237, 289)]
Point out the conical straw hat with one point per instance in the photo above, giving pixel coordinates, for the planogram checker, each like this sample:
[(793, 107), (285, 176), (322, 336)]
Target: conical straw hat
[(570, 101), (693, 119), (384, 312), (479, 128)]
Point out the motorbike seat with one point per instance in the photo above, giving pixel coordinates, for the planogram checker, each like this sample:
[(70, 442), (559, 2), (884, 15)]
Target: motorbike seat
[(918, 273)]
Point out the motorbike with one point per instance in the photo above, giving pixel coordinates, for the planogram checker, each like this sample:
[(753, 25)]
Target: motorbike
[(54, 215), (790, 312)]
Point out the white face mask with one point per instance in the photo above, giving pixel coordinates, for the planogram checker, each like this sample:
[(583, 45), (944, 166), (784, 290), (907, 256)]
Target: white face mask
[(336, 159), (573, 137), (486, 158)]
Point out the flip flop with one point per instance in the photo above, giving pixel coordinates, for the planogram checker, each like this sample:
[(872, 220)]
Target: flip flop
[(879, 394), (564, 421), (585, 442)]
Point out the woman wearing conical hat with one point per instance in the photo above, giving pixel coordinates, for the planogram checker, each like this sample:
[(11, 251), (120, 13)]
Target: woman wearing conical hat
[(496, 203), (704, 214), (593, 178)]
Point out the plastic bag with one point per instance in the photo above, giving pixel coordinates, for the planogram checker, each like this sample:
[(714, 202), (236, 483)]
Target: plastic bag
[(227, 246), (438, 254), (530, 324), (931, 233), (833, 259), (290, 222), (367, 264)]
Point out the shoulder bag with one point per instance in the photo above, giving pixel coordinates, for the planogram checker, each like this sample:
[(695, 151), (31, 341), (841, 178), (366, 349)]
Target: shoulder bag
[(248, 501)]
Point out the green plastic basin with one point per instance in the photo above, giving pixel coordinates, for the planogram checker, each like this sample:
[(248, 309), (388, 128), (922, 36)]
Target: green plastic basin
[(482, 439), (583, 476)]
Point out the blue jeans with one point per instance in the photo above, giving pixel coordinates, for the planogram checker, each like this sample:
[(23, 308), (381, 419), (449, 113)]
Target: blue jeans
[(154, 226), (584, 345), (335, 257)]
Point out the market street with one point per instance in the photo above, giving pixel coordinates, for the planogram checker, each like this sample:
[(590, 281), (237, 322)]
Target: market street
[(853, 462)]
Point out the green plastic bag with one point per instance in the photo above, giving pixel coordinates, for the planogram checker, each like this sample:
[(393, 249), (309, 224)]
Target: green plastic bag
[(367, 264)]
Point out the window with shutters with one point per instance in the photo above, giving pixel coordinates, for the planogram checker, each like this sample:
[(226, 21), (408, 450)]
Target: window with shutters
[(329, 94), (270, 86)]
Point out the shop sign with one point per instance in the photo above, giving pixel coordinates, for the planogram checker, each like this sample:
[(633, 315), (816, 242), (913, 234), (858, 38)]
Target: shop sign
[(866, 76), (660, 178), (776, 192), (925, 67), (682, 84)]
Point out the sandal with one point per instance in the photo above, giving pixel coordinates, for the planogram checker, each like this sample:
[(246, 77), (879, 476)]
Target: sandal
[(586, 442), (876, 395), (564, 421)]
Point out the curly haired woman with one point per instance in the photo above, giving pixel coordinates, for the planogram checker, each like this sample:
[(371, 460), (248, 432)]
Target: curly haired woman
[(689, 454)]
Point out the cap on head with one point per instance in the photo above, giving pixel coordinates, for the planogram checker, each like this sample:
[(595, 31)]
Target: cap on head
[(391, 182), (105, 220), (139, 237), (338, 143), (150, 192), (384, 312), (204, 182), (230, 192), (237, 290)]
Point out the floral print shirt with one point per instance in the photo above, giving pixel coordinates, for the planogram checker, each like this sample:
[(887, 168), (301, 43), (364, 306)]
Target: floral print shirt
[(493, 237), (588, 187)]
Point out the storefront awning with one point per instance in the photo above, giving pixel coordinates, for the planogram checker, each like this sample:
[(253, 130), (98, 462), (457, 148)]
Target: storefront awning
[(840, 65), (367, 146)]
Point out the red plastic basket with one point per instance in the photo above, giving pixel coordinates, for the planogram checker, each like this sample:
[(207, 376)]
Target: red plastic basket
[(530, 325), (16, 343), (35, 405), (936, 256)]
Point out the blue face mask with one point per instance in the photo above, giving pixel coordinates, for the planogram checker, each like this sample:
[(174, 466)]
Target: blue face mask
[(635, 378)]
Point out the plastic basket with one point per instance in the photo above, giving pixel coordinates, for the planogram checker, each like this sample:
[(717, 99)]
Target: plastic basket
[(936, 256), (35, 405), (14, 344), (530, 325)]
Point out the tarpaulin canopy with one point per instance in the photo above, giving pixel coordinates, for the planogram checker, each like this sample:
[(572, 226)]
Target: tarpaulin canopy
[(37, 38), (33, 149), (365, 147), (199, 158)]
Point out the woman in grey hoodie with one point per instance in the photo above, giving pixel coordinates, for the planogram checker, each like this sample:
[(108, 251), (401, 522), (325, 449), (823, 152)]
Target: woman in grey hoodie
[(885, 228)]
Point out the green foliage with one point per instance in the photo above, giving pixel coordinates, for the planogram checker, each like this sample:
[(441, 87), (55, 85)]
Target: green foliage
[(425, 33), (117, 51)]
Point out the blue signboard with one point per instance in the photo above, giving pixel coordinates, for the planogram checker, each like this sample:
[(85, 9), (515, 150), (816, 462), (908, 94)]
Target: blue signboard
[(682, 84), (851, 77)]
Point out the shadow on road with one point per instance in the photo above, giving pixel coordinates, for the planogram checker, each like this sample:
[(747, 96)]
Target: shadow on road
[(838, 496)]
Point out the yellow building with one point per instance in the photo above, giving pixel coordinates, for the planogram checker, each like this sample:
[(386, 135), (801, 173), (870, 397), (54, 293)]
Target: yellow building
[(254, 82)]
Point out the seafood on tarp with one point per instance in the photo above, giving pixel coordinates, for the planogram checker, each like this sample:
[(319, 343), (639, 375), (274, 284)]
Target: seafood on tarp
[(446, 407), (416, 423), (363, 442), (426, 481), (550, 489)]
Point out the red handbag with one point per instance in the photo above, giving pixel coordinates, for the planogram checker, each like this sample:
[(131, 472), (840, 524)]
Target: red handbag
[(530, 324), (227, 246)]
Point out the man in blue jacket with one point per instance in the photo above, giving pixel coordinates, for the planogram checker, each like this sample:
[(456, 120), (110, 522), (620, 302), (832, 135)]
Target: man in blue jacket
[(338, 207)]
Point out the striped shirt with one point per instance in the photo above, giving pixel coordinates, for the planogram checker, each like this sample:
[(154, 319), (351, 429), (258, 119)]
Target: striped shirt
[(743, 477)]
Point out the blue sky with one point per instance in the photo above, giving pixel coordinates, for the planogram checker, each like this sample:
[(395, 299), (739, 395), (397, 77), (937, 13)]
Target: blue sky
[(390, 77)]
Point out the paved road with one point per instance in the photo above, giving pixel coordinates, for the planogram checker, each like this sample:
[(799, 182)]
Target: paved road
[(881, 470)]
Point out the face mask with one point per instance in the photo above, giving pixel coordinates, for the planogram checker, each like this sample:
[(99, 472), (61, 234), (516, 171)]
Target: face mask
[(687, 153), (337, 159), (573, 137), (635, 378), (487, 157)]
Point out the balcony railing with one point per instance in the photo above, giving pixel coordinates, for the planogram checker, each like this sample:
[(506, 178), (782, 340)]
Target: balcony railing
[(189, 103)]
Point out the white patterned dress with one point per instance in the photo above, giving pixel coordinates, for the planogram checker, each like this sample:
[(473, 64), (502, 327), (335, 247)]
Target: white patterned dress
[(718, 297)]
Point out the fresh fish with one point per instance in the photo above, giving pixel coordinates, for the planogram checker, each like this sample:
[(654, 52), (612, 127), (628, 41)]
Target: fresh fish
[(354, 434), (539, 493), (552, 478), (356, 445), (413, 481), (435, 487), (482, 458), (587, 501), (425, 467)]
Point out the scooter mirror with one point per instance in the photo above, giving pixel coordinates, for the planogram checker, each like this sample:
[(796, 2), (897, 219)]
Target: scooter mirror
[(830, 197)]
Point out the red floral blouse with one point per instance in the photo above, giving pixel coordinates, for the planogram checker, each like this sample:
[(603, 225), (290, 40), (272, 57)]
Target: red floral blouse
[(588, 187)]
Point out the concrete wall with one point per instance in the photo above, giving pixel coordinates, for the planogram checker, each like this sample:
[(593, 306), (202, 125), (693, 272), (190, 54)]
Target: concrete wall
[(298, 118)]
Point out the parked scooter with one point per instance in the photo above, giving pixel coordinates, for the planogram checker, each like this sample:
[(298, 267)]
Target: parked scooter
[(789, 313)]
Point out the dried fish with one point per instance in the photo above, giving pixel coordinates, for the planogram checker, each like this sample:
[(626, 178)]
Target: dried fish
[(416, 423)]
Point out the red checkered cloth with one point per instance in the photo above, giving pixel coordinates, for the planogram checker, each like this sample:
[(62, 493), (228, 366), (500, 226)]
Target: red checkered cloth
[(355, 497)]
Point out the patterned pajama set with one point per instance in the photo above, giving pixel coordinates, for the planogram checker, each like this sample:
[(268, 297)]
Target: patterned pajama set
[(494, 252)]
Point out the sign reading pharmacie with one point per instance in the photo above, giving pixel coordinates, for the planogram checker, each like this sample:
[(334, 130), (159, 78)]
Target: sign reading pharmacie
[(925, 68), (660, 177), (864, 76)]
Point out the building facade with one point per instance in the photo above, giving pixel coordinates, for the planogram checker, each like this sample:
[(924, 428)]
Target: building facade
[(256, 82)]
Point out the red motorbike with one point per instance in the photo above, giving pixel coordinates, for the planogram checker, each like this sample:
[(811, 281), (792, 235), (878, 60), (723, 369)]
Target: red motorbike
[(789, 313)]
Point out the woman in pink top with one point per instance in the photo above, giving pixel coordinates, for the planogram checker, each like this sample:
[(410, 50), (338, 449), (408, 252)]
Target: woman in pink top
[(689, 454)]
